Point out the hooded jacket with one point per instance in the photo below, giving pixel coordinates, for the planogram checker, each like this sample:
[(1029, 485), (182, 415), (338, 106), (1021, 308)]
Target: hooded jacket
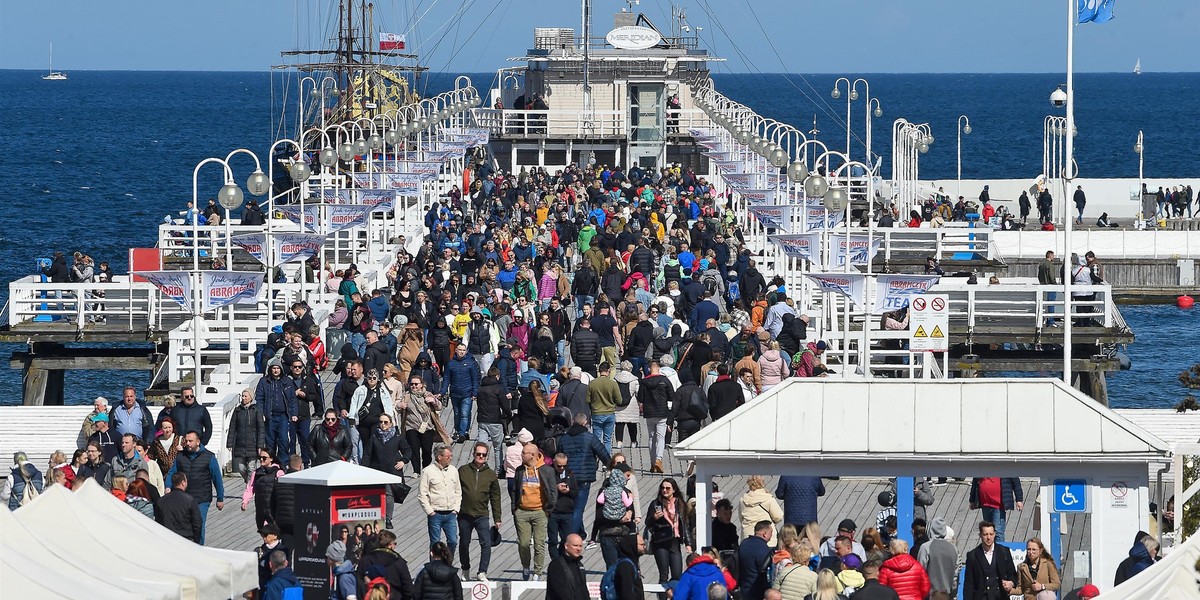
[(904, 574), (276, 397), (654, 394), (1139, 559), (492, 406), (583, 449), (462, 377), (700, 573)]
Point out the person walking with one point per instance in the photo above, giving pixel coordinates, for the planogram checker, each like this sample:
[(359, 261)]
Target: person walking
[(995, 496), (203, 475), (461, 385), (565, 580), (604, 394), (387, 451), (330, 440), (534, 493), (670, 531), (903, 573), (441, 497), (583, 450), (1080, 202), (492, 411), (990, 574), (261, 485), (1037, 573), (276, 395), (654, 396), (439, 579), (480, 490), (246, 435), (177, 510), (417, 411), (562, 516), (757, 504), (799, 494), (939, 558)]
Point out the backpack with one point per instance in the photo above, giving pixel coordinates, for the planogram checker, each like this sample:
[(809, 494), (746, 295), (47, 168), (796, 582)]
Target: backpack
[(626, 395), (608, 583), (709, 280), (696, 406), (30, 493), (733, 291), (610, 512)]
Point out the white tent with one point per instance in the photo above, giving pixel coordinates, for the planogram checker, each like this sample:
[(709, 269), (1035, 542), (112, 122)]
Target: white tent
[(340, 474), (104, 545), (242, 567), (30, 569), (1172, 578)]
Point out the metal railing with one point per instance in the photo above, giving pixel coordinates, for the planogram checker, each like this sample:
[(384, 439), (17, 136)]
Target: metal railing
[(1025, 306), (1107, 243), (137, 304), (577, 124)]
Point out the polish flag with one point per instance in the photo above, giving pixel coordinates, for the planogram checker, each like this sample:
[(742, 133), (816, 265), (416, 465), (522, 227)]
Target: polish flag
[(391, 41)]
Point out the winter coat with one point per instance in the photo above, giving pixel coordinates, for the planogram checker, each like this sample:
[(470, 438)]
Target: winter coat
[(630, 413), (940, 559), (654, 394), (529, 416), (18, 483), (760, 505), (203, 474), (326, 450), (724, 396), (583, 449), (693, 584), (564, 579), (461, 378), (799, 495), (492, 405), (904, 574), (277, 397), (508, 369), (179, 512), (280, 581), (193, 417), (383, 456), (585, 348), (1047, 575), (1139, 560), (246, 432), (774, 368)]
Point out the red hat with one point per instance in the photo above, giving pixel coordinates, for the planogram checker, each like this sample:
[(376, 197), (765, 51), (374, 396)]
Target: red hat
[(1088, 591)]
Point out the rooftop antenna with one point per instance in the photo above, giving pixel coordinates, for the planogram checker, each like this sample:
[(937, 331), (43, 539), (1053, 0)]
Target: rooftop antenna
[(630, 4)]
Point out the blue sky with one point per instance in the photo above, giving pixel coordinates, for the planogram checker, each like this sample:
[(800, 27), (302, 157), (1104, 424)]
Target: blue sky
[(810, 36)]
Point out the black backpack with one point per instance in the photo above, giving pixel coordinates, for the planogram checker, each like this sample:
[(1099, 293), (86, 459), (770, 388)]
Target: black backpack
[(626, 395)]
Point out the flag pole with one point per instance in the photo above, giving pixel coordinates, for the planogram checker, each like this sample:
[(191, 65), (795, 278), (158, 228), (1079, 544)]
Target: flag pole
[(1067, 176)]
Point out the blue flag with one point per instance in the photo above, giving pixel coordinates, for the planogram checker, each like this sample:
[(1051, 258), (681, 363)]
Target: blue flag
[(1096, 11)]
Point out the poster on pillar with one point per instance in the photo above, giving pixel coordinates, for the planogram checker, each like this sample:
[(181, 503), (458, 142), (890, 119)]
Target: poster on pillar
[(176, 285), (893, 292), (850, 285), (296, 246), (379, 199), (346, 216), (405, 184), (221, 288), (860, 248)]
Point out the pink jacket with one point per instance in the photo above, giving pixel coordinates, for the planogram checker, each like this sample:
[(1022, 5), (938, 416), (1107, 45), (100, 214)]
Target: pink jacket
[(547, 285), (774, 368)]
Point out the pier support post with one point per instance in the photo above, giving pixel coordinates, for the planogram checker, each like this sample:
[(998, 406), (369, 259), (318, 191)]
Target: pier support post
[(44, 387)]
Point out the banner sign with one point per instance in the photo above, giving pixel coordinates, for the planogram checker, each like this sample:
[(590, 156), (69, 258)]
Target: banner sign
[(893, 292), (774, 216), (801, 245), (862, 249), (340, 196), (346, 216), (758, 197), (818, 219), (367, 180), (380, 200), (719, 153), (296, 246), (222, 288), (738, 181), (478, 136), (312, 212), (850, 285), (253, 244), (356, 505), (176, 285), (405, 184), (729, 165)]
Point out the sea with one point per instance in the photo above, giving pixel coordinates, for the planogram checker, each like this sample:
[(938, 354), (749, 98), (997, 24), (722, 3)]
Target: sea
[(94, 163)]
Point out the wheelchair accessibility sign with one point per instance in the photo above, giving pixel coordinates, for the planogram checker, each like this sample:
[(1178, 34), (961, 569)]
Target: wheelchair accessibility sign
[(1071, 496)]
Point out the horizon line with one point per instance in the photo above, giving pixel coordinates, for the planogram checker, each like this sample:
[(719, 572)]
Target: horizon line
[(840, 73)]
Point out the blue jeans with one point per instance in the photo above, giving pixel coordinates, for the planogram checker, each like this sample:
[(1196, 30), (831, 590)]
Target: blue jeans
[(279, 429), (639, 366), (462, 415), (580, 301), (557, 530), (581, 502), (997, 516), (604, 426), (444, 522), (1050, 298), (561, 347), (359, 341), (203, 520), (300, 431)]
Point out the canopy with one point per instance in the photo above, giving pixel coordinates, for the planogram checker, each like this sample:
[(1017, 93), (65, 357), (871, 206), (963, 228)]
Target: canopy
[(340, 474), (242, 567), (102, 542), (33, 566), (1172, 578)]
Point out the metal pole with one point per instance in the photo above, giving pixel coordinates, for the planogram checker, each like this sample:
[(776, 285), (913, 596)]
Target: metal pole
[(197, 318), (233, 349), (1068, 175)]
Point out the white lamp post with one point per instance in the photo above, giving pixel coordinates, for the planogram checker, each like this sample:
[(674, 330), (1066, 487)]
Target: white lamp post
[(851, 95), (961, 131), (1140, 148)]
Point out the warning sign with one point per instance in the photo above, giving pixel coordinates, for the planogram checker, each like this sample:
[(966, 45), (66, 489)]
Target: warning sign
[(929, 322)]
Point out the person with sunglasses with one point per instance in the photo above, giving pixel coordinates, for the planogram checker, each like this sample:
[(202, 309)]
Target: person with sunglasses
[(480, 490), (190, 415), (386, 450), (330, 440), (260, 486)]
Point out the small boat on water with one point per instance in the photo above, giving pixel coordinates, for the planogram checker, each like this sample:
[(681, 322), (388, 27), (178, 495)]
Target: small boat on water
[(1137, 67), (54, 75)]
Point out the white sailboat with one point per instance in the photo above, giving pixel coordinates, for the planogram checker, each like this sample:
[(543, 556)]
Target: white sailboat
[(54, 75), (1137, 67)]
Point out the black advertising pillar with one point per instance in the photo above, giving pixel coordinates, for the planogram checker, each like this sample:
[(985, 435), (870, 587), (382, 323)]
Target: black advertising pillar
[(319, 511)]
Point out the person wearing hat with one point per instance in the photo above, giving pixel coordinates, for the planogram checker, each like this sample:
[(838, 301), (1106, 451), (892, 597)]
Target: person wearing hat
[(275, 396), (271, 542), (847, 527), (1087, 592), (940, 557), (107, 440), (810, 364), (99, 406), (24, 483), (345, 583)]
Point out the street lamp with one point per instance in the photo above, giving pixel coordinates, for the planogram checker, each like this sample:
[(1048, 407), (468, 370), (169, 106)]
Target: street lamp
[(851, 95), (1140, 148), (961, 131)]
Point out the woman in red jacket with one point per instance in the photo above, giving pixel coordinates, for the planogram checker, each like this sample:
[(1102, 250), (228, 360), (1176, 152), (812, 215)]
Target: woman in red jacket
[(903, 573)]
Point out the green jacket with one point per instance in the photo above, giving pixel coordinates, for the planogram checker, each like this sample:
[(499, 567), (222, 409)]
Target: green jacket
[(603, 395), (479, 487)]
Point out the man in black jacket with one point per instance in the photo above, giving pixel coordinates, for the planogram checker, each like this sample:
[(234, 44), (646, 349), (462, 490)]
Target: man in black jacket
[(585, 347), (654, 394), (991, 574), (190, 415), (564, 578), (562, 515), (628, 575), (871, 588), (178, 510), (283, 503), (312, 402)]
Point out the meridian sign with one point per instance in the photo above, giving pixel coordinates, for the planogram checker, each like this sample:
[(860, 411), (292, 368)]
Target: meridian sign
[(633, 38)]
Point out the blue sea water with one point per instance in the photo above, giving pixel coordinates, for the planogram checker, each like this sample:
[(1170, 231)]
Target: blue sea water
[(94, 163)]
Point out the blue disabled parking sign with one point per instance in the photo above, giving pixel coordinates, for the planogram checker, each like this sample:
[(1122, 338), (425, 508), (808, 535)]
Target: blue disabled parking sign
[(1070, 496)]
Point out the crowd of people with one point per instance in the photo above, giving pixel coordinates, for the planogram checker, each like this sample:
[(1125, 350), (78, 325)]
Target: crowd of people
[(548, 321)]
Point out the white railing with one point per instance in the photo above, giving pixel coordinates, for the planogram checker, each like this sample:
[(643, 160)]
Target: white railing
[(1121, 243), (138, 304), (552, 123), (1023, 306)]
